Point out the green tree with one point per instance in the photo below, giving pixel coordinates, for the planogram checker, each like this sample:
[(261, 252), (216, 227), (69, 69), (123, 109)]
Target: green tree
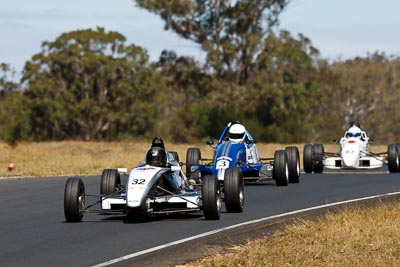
[(286, 94), (88, 84), (231, 32), (186, 87), (13, 115), (368, 89), (7, 75), (283, 100)]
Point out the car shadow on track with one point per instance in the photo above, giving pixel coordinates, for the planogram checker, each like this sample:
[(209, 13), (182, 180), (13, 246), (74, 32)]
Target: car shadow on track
[(260, 183)]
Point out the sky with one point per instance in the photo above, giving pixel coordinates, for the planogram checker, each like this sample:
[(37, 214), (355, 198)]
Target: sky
[(339, 29)]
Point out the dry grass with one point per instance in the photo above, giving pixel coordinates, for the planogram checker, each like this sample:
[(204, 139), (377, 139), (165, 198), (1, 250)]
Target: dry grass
[(74, 157), (354, 237)]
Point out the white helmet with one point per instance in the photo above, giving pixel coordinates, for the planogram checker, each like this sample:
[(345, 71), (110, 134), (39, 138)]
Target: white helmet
[(354, 131), (237, 133)]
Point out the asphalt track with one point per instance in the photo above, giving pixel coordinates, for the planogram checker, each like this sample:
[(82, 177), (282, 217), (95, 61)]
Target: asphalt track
[(34, 233)]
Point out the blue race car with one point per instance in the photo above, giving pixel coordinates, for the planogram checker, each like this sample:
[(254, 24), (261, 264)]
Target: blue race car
[(236, 154)]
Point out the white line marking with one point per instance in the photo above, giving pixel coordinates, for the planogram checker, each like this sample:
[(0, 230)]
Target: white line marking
[(177, 242)]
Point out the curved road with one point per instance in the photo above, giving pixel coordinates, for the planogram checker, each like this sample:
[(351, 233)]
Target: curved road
[(34, 233)]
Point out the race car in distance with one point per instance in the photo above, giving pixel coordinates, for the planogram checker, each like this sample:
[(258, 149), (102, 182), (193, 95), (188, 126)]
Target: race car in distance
[(236, 154), (155, 187), (354, 154)]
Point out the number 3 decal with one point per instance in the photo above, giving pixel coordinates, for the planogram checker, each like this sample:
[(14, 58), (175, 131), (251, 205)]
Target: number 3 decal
[(222, 164)]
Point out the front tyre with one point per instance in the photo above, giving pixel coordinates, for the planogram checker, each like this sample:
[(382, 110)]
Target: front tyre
[(398, 151), (293, 157), (281, 171), (308, 160), (74, 200), (234, 190), (211, 197), (393, 158)]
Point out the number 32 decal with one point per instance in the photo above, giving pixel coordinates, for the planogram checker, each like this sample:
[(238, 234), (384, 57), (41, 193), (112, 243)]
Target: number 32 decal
[(138, 181)]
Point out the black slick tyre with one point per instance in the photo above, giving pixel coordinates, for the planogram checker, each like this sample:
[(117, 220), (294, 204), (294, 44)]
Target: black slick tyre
[(110, 182), (74, 200), (211, 197), (280, 171), (308, 158), (318, 158), (393, 158), (398, 153), (193, 157), (234, 190), (293, 157)]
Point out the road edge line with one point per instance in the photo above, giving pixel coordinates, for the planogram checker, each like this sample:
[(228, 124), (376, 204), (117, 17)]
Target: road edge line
[(180, 241)]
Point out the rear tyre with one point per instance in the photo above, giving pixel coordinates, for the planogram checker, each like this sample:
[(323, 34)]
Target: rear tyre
[(393, 158), (318, 158), (74, 200), (308, 160), (211, 197), (193, 156), (280, 171), (292, 154), (110, 182), (234, 190)]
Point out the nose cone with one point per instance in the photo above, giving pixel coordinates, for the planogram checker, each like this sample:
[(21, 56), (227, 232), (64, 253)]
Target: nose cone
[(350, 153)]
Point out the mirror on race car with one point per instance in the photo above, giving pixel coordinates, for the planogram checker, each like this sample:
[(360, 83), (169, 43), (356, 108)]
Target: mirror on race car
[(210, 142), (194, 168)]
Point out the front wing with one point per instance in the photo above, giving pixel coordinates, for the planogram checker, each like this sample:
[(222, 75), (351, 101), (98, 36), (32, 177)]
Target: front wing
[(182, 202), (363, 163)]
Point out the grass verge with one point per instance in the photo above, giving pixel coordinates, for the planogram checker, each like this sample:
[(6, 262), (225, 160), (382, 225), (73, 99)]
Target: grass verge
[(353, 237), (76, 157), (72, 157)]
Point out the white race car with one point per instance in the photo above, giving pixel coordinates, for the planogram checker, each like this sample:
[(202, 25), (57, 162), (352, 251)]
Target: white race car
[(149, 190), (354, 154)]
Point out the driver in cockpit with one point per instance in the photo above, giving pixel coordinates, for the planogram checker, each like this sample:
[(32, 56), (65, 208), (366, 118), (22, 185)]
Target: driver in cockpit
[(157, 156), (356, 131)]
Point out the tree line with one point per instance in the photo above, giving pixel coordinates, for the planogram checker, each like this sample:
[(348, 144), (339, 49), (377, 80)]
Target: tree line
[(91, 85)]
